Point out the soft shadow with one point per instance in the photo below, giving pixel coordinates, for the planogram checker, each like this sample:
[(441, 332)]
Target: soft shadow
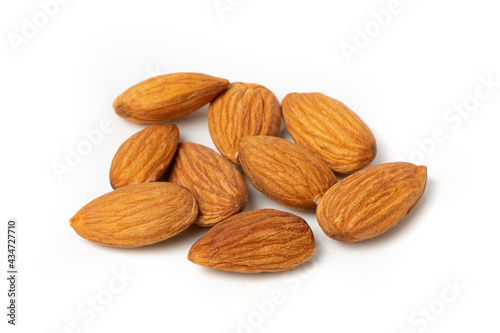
[(197, 117), (188, 236), (255, 199), (164, 177), (381, 156), (304, 268), (284, 134)]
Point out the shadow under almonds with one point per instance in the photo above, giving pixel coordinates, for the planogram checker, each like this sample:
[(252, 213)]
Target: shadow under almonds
[(262, 276), (188, 236), (199, 116)]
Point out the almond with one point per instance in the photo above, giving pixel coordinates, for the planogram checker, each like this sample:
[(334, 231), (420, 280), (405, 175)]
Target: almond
[(264, 240), (243, 109), (145, 156), (217, 185), (167, 97), (284, 171), (136, 215), (329, 129), (371, 201)]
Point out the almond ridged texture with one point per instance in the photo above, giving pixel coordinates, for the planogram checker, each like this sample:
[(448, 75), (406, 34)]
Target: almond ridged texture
[(145, 156), (217, 185), (329, 129), (284, 171), (243, 109), (136, 215), (264, 240), (371, 201), (167, 97)]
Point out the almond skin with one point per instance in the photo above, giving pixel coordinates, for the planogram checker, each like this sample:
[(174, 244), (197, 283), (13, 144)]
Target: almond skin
[(136, 215), (329, 129), (264, 240), (371, 201), (167, 97), (284, 171), (145, 156), (243, 109), (217, 185)]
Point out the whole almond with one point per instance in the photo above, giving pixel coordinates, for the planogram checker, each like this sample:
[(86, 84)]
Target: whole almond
[(241, 110), (371, 201), (284, 171), (329, 129), (167, 97), (217, 185), (264, 240), (136, 215), (145, 156)]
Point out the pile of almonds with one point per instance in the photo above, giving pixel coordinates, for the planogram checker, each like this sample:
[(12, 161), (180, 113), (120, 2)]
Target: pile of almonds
[(209, 189)]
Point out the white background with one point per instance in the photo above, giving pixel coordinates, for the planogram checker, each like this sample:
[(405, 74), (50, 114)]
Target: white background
[(62, 79)]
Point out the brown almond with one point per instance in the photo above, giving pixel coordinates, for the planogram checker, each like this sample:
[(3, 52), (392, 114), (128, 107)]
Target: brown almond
[(167, 97), (284, 171), (145, 156), (243, 109), (136, 215), (371, 201), (217, 185), (329, 129), (264, 240)]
